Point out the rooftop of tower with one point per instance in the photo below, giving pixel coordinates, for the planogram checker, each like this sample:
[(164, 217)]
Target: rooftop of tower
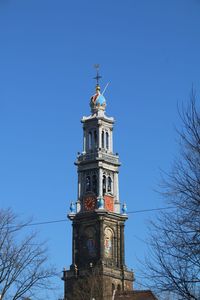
[(97, 101)]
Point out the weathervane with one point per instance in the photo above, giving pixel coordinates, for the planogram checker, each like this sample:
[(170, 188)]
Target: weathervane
[(97, 77)]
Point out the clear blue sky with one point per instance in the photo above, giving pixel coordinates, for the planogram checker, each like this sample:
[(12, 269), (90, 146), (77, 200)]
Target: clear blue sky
[(148, 50)]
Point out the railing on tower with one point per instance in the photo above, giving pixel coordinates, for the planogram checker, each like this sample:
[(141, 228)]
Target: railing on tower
[(96, 155)]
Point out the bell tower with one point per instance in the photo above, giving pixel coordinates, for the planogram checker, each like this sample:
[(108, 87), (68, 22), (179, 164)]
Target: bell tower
[(97, 219)]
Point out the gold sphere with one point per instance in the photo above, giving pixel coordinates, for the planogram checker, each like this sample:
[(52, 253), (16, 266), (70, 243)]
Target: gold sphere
[(98, 88)]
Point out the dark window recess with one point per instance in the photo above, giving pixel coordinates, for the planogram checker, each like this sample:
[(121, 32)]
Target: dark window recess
[(107, 140), (90, 140), (104, 184), (95, 138), (109, 184), (94, 184), (88, 184), (102, 139)]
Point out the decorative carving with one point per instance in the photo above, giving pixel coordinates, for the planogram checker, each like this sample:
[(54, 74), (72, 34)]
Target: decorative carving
[(108, 242)]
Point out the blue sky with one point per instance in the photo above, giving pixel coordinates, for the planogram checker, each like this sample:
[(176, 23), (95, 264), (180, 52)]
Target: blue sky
[(148, 51)]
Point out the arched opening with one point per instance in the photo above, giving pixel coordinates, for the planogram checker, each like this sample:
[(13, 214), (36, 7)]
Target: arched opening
[(95, 138), (119, 287), (113, 288), (104, 184), (88, 184), (108, 243), (90, 246), (102, 139), (107, 140), (94, 184), (90, 140), (109, 184)]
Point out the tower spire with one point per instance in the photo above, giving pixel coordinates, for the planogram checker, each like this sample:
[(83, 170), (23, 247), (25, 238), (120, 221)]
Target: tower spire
[(98, 76), (97, 101)]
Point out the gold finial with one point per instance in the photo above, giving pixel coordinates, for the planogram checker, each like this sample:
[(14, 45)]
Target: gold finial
[(98, 88)]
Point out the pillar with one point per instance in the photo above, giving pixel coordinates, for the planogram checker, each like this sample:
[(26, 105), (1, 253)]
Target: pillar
[(100, 182), (99, 132), (84, 140)]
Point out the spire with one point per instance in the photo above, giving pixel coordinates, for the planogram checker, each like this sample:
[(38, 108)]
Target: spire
[(97, 77), (97, 101)]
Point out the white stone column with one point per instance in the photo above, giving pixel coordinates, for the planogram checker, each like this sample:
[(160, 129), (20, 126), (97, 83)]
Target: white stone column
[(78, 203), (111, 141), (79, 185), (99, 133), (114, 185), (116, 192), (117, 186), (84, 141), (100, 182)]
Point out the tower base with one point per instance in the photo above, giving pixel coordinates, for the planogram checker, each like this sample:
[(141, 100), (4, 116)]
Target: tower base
[(99, 283)]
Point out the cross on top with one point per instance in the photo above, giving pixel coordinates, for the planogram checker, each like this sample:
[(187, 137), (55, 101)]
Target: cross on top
[(97, 77)]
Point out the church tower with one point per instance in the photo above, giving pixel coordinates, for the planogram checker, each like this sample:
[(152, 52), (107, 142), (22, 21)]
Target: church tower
[(98, 267)]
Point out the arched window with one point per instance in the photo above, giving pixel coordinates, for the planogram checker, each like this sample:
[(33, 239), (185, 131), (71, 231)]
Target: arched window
[(107, 140), (90, 140), (90, 246), (88, 184), (104, 184), (95, 138), (102, 139), (94, 184), (119, 287), (108, 243), (109, 184), (113, 288)]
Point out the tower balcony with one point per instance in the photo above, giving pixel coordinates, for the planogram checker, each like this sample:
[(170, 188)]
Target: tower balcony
[(98, 155)]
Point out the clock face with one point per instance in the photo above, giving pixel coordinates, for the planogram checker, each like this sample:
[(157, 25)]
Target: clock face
[(89, 203), (109, 203)]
